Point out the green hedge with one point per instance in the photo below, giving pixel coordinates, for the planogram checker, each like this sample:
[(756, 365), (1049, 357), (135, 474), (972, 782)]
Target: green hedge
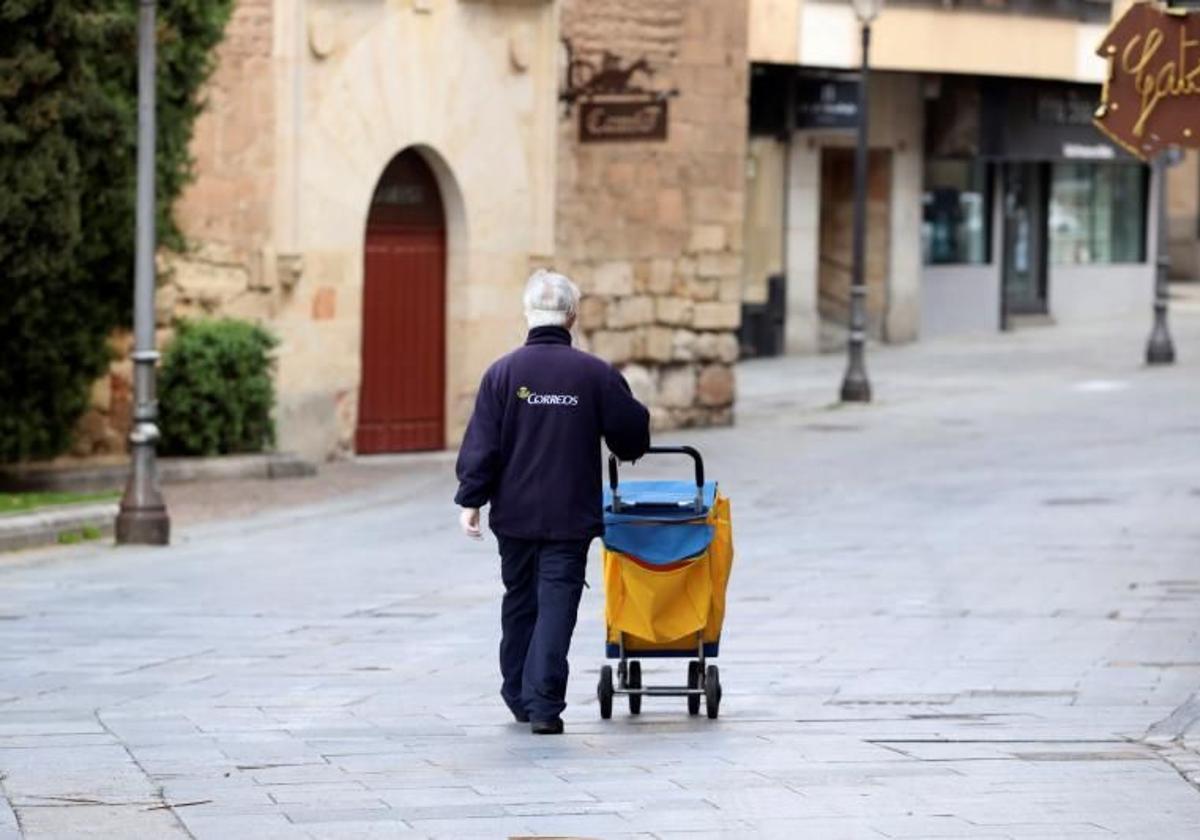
[(216, 391), (68, 129)]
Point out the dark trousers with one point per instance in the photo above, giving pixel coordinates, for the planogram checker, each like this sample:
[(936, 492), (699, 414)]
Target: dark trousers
[(543, 580)]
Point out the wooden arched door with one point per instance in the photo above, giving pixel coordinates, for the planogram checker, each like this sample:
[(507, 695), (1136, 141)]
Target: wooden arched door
[(401, 405)]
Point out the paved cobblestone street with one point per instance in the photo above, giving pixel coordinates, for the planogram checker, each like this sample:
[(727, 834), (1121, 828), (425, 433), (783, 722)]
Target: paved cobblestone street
[(971, 609)]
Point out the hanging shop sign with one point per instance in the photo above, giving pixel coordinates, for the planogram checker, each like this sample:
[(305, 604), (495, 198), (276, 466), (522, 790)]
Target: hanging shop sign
[(1014, 120), (606, 120), (1151, 95), (613, 103)]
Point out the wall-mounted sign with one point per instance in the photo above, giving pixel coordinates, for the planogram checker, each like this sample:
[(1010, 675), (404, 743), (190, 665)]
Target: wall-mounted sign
[(1014, 120), (1036, 120), (830, 103), (1088, 151), (621, 120), (1064, 105), (612, 104), (1151, 94)]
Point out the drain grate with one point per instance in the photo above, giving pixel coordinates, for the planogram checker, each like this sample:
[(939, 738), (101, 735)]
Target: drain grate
[(1100, 755), (1078, 501), (831, 427)]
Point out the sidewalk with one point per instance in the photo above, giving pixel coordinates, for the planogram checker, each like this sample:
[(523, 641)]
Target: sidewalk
[(970, 609), (806, 384)]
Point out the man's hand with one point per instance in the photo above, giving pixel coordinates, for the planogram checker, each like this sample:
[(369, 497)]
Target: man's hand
[(469, 521)]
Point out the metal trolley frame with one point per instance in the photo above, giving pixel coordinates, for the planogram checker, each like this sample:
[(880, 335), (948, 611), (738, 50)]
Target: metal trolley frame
[(703, 680)]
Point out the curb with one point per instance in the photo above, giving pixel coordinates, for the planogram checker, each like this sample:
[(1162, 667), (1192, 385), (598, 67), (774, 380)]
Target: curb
[(170, 471), (42, 527)]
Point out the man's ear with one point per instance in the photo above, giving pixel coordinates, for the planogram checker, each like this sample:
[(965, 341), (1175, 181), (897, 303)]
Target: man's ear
[(570, 322)]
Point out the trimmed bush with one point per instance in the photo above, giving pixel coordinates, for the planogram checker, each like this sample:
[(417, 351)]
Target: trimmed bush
[(215, 389)]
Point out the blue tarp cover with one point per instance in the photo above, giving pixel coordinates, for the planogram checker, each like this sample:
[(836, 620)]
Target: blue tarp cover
[(658, 523), (663, 501), (657, 544)]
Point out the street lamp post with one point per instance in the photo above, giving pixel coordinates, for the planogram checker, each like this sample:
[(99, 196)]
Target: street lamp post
[(143, 519), (855, 385), (1160, 350)]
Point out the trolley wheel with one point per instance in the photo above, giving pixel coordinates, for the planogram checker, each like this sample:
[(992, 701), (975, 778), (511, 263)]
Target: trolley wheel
[(622, 674), (635, 681), (693, 683), (712, 692), (604, 692)]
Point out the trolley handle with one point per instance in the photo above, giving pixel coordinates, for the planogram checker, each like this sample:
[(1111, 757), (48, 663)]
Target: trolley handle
[(692, 452)]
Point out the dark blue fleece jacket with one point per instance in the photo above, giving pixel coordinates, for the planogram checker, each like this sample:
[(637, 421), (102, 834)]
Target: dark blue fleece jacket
[(532, 448)]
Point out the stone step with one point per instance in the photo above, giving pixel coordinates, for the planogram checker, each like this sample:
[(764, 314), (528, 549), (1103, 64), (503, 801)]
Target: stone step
[(43, 526), (112, 476)]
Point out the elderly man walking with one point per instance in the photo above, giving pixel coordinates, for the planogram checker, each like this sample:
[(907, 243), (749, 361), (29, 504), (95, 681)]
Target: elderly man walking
[(532, 451)]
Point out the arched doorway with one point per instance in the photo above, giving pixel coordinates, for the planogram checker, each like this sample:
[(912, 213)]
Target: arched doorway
[(401, 406)]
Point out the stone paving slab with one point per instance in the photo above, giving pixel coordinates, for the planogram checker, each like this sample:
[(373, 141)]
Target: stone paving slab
[(970, 609)]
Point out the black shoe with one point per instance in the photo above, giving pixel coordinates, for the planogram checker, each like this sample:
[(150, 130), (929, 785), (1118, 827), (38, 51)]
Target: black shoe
[(547, 727), (520, 717)]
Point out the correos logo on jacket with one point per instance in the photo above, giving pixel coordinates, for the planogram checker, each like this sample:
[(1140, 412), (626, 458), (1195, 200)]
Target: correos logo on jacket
[(533, 398)]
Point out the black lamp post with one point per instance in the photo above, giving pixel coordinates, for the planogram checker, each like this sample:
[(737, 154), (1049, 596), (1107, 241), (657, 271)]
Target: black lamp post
[(1160, 350), (855, 385), (143, 519)]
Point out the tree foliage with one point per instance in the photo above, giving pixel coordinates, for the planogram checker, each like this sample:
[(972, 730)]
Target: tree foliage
[(68, 131), (217, 389)]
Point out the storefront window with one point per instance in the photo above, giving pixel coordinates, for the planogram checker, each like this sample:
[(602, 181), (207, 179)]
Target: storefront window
[(1097, 213), (955, 225)]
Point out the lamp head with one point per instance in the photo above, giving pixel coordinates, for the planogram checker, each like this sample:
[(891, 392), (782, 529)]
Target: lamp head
[(866, 10)]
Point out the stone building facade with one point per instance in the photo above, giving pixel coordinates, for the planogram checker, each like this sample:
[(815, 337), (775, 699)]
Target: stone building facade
[(1183, 197), (653, 230), (323, 118)]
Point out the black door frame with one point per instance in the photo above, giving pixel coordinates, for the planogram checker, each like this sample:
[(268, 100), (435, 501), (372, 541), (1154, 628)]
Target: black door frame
[(1038, 175)]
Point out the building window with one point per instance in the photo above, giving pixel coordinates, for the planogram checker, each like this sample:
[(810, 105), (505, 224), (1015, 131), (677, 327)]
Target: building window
[(1097, 213), (956, 221)]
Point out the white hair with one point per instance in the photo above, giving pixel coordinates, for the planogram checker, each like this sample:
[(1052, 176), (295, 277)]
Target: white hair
[(551, 299)]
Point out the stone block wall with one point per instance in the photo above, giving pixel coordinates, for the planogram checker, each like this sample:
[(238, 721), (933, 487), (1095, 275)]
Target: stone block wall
[(653, 230), (104, 427), (225, 214), (227, 211)]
